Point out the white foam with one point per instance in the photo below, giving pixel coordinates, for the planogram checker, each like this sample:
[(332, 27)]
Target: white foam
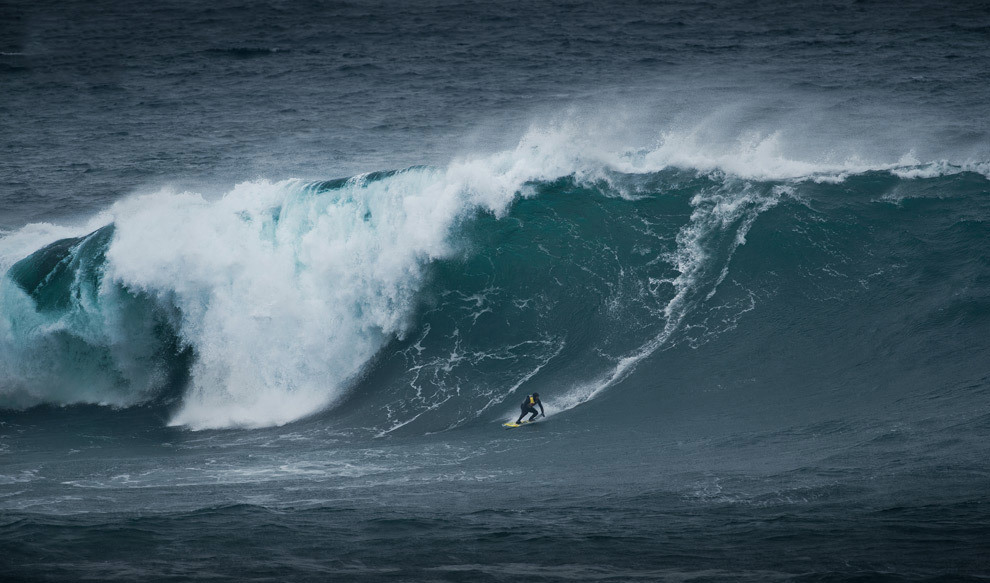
[(282, 312), (914, 169), (706, 146)]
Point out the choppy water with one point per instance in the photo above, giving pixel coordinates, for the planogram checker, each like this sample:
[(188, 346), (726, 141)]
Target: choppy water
[(275, 274)]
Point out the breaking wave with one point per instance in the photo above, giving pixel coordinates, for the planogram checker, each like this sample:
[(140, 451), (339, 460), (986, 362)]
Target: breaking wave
[(426, 297)]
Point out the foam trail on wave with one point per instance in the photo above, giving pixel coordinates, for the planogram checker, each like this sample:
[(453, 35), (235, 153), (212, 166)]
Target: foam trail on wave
[(719, 222)]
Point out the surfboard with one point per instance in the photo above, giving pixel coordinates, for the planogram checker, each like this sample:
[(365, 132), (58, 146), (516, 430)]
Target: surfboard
[(512, 424)]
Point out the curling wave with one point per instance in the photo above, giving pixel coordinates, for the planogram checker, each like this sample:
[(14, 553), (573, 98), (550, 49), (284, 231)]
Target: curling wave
[(440, 292)]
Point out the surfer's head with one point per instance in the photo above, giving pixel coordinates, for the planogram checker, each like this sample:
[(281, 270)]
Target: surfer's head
[(536, 395)]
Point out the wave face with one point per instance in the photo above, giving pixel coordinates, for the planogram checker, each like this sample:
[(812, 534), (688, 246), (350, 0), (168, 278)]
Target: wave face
[(424, 299)]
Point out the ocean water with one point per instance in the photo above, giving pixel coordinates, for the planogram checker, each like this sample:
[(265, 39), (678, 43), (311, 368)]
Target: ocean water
[(275, 273)]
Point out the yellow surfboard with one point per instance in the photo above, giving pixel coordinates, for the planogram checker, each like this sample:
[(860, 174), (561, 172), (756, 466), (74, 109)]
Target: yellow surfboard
[(513, 424)]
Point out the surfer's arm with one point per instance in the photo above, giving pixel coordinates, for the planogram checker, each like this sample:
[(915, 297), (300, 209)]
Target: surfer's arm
[(540, 403)]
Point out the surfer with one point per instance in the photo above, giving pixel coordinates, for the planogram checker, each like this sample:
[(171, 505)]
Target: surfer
[(529, 406)]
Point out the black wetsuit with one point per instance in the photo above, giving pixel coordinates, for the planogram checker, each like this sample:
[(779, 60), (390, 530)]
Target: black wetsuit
[(529, 407)]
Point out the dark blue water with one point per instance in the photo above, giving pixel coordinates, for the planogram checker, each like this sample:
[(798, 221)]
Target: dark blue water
[(275, 274)]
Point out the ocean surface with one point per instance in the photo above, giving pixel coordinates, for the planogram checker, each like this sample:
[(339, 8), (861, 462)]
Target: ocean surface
[(273, 275)]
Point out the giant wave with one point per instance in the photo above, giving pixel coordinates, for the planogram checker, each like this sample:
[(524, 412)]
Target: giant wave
[(426, 297)]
